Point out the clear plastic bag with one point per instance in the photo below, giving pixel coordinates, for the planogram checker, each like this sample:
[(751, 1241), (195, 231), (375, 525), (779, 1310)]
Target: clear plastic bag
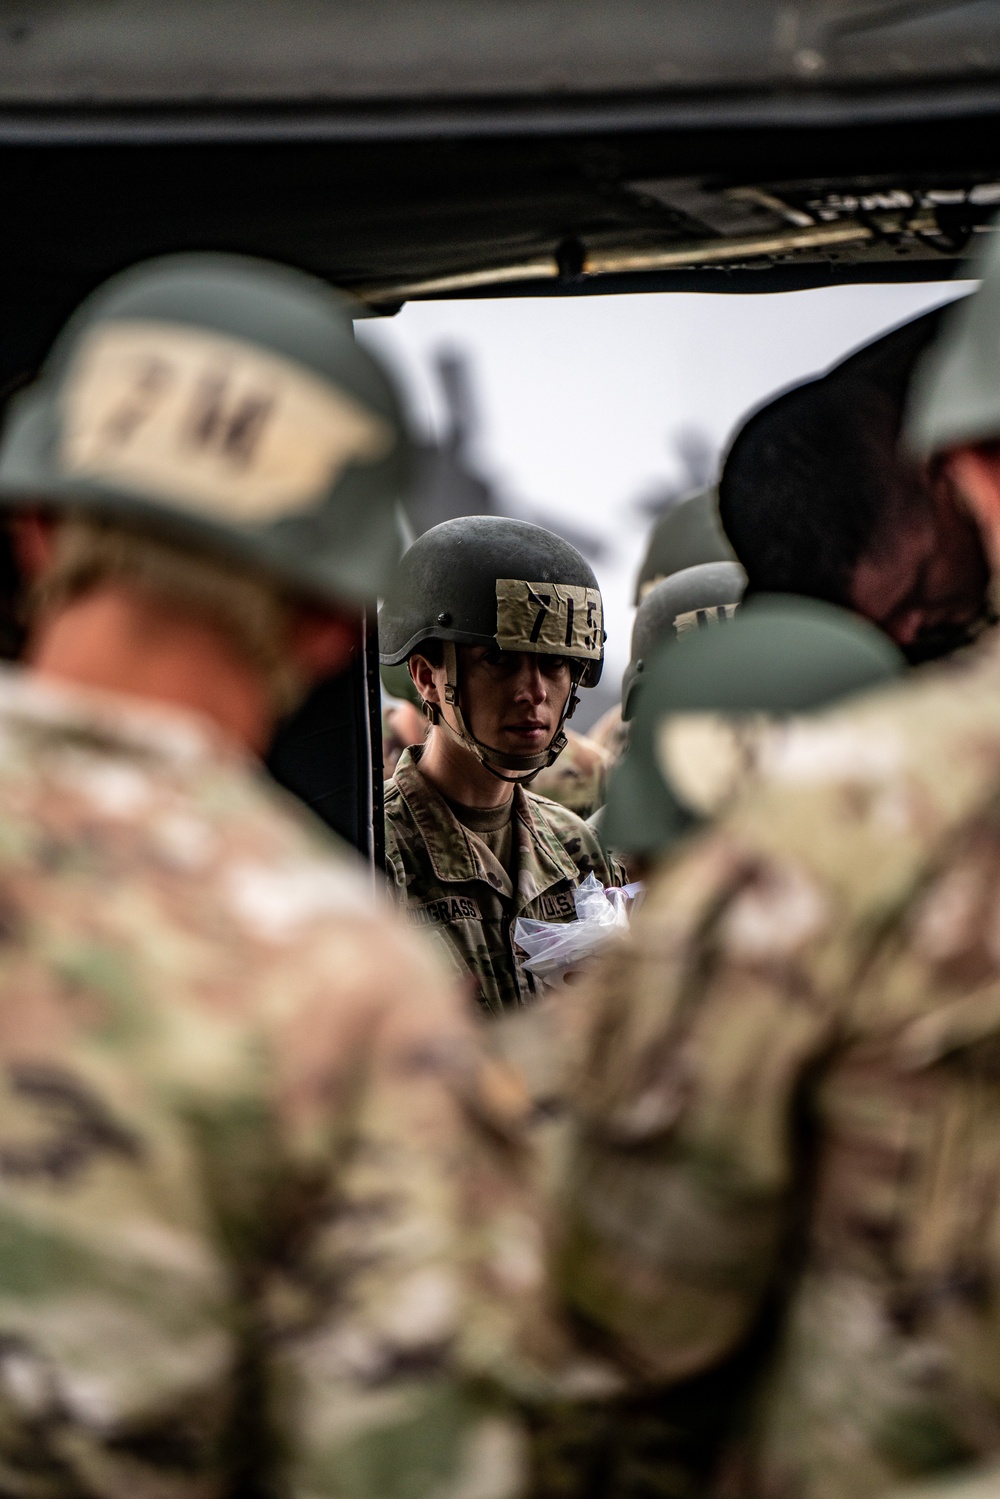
[(556, 950)]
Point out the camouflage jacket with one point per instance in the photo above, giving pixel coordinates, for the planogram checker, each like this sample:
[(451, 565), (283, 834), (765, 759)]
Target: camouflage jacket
[(786, 1164), (263, 1227), (578, 779), (451, 882)]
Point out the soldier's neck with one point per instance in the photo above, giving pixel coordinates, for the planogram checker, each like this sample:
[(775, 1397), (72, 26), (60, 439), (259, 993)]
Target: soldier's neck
[(118, 639), (458, 775)]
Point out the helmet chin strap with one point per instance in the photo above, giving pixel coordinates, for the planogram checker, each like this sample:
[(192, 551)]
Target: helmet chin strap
[(524, 767)]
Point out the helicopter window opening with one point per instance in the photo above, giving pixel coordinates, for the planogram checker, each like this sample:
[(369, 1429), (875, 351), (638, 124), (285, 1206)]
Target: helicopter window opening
[(590, 415)]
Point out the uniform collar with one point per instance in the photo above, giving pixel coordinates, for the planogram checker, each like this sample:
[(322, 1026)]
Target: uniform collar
[(458, 857)]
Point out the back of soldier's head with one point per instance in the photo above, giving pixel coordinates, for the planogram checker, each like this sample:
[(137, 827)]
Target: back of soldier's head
[(703, 701), (812, 477), (221, 405)]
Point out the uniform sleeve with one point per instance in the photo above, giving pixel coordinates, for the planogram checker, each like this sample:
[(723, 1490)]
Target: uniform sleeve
[(421, 1286), (694, 1041)]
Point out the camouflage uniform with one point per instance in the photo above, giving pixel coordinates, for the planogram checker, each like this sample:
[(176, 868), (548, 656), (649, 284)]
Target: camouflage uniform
[(578, 779), (260, 1204), (451, 882), (788, 1120)]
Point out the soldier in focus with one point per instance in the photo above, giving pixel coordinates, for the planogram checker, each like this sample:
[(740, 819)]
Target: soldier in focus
[(502, 623), (263, 1227), (788, 1122)]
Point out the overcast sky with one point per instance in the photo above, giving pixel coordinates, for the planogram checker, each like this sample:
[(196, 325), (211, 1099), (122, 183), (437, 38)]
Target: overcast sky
[(579, 399)]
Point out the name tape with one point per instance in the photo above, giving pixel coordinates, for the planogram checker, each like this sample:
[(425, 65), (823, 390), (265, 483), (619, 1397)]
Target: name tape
[(197, 418), (553, 619)]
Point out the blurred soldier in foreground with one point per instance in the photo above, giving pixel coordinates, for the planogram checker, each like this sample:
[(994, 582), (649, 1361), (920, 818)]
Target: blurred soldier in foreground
[(258, 1209), (787, 1159), (818, 499), (501, 623)]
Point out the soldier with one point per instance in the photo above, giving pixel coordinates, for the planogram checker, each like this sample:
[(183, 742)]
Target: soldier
[(501, 623), (688, 535), (693, 598), (818, 499), (783, 1201), (261, 1224)]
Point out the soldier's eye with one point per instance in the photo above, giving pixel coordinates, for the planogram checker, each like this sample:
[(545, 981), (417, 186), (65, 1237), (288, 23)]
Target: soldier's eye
[(494, 656), (553, 665)]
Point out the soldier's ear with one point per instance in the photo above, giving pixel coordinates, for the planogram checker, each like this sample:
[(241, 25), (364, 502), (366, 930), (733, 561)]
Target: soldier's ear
[(422, 676)]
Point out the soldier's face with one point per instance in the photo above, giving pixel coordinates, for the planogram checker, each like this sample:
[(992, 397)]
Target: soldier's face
[(923, 579), (513, 700)]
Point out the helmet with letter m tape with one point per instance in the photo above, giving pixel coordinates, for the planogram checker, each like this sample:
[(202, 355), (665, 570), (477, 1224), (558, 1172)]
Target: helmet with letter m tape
[(222, 402), (490, 581)]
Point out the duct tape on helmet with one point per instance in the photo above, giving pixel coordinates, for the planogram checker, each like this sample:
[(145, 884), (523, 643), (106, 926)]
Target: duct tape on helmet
[(556, 619), (224, 402), (204, 420)]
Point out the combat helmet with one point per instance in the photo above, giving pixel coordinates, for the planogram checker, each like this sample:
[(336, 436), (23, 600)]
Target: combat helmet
[(687, 535), (698, 717), (223, 402), (955, 396), (487, 580), (694, 599)]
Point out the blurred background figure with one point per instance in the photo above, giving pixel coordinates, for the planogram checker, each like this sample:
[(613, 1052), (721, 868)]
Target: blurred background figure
[(818, 499), (687, 534), (403, 722)]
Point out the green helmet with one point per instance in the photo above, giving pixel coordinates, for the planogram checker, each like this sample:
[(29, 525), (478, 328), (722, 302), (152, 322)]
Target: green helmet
[(690, 600), (780, 655), (223, 402), (686, 536), (955, 396), (487, 580)]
